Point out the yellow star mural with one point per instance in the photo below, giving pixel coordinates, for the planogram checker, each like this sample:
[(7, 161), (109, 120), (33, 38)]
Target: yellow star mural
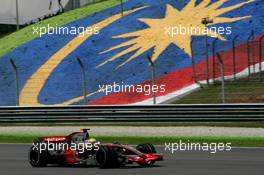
[(190, 16)]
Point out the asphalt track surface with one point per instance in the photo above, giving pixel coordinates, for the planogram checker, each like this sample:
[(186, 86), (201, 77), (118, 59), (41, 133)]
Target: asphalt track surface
[(13, 161)]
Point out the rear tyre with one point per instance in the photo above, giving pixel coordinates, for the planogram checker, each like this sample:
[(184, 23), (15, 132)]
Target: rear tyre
[(36, 157)]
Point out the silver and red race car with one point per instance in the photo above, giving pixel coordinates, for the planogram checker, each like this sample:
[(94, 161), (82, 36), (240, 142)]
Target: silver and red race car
[(78, 148)]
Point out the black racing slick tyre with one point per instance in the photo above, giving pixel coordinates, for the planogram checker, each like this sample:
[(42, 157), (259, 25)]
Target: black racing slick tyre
[(146, 148), (106, 157), (36, 157)]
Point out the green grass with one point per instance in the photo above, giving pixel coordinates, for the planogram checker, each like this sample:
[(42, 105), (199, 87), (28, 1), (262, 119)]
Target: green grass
[(134, 140), (2, 35), (240, 91), (12, 41)]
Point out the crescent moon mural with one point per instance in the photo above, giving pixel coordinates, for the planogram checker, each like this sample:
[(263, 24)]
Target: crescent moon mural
[(37, 81)]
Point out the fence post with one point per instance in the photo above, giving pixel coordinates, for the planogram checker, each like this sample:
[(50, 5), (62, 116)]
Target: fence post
[(214, 53), (234, 56), (16, 80), (17, 15), (153, 77), (260, 57), (83, 80), (253, 56), (193, 62), (223, 76), (207, 61), (205, 22), (122, 8), (248, 53), (251, 37)]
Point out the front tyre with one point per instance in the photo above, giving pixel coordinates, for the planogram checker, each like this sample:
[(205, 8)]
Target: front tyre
[(146, 148), (106, 157)]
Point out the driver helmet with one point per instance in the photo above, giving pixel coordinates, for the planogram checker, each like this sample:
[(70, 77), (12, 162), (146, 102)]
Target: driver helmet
[(92, 140)]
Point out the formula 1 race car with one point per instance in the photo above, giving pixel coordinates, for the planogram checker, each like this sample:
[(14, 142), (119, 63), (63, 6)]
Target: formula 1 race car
[(78, 148)]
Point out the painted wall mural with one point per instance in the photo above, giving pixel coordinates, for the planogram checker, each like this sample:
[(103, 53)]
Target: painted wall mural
[(49, 73)]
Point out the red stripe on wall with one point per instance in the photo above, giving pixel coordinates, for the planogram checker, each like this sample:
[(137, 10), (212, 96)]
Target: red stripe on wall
[(179, 79)]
